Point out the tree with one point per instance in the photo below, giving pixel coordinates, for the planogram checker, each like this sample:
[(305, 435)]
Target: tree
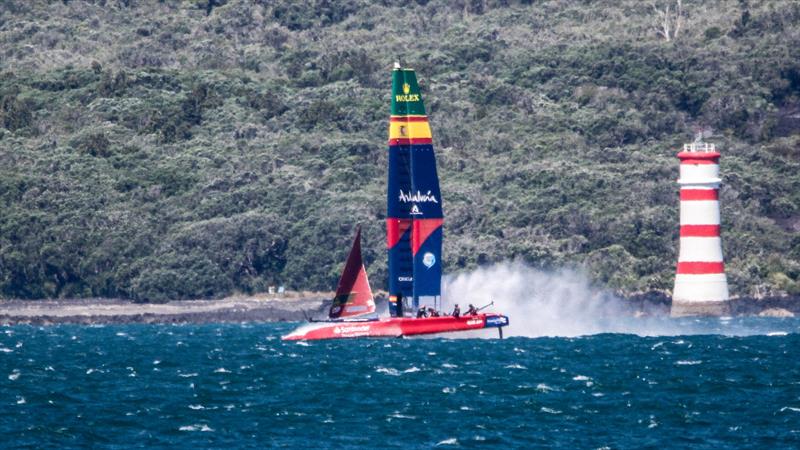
[(668, 21)]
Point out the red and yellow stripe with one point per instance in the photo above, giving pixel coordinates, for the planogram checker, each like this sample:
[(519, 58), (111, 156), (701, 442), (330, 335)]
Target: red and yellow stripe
[(408, 130)]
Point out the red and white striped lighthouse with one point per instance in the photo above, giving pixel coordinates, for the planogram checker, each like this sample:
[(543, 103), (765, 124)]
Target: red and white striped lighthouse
[(701, 287)]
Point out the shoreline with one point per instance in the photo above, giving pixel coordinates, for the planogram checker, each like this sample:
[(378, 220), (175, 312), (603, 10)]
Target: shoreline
[(235, 309), (292, 307)]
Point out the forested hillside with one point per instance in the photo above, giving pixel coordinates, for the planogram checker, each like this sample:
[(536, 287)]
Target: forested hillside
[(161, 150)]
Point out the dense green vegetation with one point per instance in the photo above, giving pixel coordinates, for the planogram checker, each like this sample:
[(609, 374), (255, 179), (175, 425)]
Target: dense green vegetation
[(180, 150)]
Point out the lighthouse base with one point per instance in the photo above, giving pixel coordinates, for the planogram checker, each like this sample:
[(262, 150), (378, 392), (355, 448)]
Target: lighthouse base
[(694, 308)]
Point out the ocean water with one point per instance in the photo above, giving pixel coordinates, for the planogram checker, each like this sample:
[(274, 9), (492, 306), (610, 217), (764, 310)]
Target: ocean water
[(240, 386)]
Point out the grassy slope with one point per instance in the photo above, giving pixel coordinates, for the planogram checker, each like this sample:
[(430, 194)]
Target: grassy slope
[(156, 151)]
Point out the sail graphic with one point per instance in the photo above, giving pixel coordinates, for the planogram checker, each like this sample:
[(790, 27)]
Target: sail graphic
[(414, 204), (353, 294)]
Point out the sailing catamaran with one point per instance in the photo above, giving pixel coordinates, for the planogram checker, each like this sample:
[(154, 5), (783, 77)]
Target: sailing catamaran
[(413, 236)]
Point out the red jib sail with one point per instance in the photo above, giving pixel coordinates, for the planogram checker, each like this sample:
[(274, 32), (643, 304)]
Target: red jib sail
[(353, 295)]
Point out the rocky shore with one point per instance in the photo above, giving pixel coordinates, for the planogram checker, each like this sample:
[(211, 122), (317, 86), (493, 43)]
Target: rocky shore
[(657, 303), (260, 308), (293, 307)]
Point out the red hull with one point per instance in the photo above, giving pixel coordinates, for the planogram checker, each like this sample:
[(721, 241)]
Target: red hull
[(395, 327)]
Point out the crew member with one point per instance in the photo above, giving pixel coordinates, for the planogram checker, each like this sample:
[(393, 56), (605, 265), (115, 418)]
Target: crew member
[(422, 312), (471, 311), (456, 311), (432, 312), (399, 305)]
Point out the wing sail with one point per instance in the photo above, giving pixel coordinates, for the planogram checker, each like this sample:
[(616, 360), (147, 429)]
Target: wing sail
[(414, 216), (353, 294)]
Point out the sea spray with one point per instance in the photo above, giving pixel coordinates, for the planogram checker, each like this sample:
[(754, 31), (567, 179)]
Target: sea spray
[(548, 303)]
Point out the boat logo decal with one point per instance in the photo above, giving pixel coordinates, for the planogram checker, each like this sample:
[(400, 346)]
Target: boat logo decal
[(419, 197), (474, 322), (405, 278), (406, 96), (351, 329), (428, 260), (415, 210), (496, 321)]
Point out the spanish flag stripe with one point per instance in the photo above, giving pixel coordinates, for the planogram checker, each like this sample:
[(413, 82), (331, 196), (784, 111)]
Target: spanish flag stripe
[(412, 141), (408, 119), (409, 130)]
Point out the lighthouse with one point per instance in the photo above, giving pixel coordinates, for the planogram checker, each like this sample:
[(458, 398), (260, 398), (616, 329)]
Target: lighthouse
[(701, 287)]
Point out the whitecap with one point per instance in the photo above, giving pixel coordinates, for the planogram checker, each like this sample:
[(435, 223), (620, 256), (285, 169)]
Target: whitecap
[(187, 375), (196, 407), (222, 370), (200, 427), (431, 353), (777, 333), (515, 366), (397, 415), (14, 375), (465, 408), (790, 408), (449, 366), (541, 387), (449, 390), (412, 370), (6, 350), (520, 350), (302, 343), (21, 400), (450, 441), (121, 334), (549, 410), (388, 371), (688, 363), (581, 378), (49, 369), (156, 362)]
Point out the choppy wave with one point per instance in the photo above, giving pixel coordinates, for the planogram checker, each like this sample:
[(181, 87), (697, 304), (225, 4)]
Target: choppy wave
[(231, 386)]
